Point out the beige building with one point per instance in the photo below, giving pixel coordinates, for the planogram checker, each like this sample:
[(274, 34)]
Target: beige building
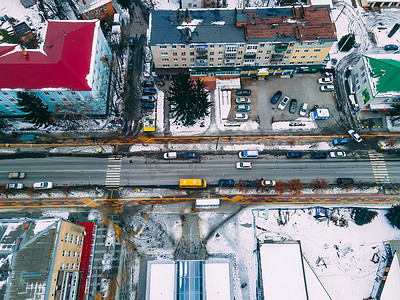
[(259, 41)]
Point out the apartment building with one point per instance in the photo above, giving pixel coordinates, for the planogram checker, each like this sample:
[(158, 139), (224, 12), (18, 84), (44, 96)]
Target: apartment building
[(200, 3), (70, 71), (376, 81), (245, 42), (95, 9)]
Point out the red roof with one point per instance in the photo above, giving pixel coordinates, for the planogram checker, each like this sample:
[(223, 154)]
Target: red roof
[(85, 257), (64, 61)]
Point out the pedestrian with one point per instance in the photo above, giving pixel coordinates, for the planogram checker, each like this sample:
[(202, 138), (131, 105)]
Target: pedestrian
[(131, 161)]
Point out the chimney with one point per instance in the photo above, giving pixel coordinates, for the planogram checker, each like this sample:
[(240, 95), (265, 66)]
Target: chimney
[(178, 16), (187, 35), (302, 11), (24, 52), (187, 16)]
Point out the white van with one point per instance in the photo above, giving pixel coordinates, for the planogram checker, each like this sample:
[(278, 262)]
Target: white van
[(248, 154)]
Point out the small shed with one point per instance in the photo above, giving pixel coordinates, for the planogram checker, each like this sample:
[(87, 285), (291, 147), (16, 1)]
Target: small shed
[(320, 114)]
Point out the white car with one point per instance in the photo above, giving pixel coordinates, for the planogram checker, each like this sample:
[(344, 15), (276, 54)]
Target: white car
[(43, 185), (325, 80), (326, 88), (337, 154), (284, 102), (240, 117), (303, 110), (355, 136), (268, 182), (14, 186), (243, 165), (170, 155), (243, 101)]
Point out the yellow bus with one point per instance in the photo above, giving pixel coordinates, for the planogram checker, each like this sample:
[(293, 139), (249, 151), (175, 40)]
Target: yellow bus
[(192, 183)]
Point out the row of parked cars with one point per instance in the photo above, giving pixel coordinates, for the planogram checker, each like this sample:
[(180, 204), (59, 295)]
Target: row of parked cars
[(42, 185), (243, 104), (292, 106), (149, 93)]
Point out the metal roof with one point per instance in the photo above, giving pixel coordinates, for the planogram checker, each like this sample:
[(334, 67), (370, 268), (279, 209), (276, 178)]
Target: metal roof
[(388, 71)]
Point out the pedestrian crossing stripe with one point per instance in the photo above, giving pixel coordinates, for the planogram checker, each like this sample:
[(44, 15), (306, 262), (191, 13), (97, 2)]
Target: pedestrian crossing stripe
[(379, 167), (113, 175)]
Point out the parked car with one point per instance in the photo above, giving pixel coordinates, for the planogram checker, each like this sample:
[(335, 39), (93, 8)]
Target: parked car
[(294, 154), (243, 107), (325, 80), (14, 186), (391, 47), (341, 181), (268, 182), (147, 83), (147, 98), (303, 110), (340, 141), (149, 91), (226, 182), (43, 185), (244, 100), (337, 154), (147, 105), (319, 155), (243, 165), (275, 98), (240, 117), (170, 155), (189, 155), (243, 92), (355, 136), (284, 102), (247, 183), (16, 175), (326, 88), (293, 106)]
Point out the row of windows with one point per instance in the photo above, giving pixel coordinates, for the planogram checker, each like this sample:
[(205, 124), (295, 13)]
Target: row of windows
[(239, 52), (239, 64), (66, 266), (238, 58), (70, 253), (249, 47), (78, 240)]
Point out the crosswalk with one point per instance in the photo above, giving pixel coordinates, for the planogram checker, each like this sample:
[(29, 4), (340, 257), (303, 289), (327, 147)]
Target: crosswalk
[(113, 175), (379, 167)]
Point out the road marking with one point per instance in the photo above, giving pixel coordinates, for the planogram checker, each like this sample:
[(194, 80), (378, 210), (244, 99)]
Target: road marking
[(378, 167), (113, 175)]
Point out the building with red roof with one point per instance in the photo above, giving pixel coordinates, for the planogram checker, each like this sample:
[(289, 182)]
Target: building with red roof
[(69, 72)]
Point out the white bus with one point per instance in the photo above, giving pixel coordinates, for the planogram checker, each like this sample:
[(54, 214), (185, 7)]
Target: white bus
[(211, 202)]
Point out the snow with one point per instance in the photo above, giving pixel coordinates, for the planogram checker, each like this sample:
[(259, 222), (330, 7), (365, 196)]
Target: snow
[(191, 25), (56, 213), (162, 281), (217, 281), (391, 289), (297, 125), (281, 266), (41, 225)]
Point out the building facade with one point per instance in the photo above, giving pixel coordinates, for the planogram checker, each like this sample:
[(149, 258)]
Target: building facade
[(95, 9), (70, 72), (259, 41), (376, 81), (377, 3), (201, 4)]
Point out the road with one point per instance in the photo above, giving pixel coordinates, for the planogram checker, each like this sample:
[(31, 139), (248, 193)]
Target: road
[(154, 171)]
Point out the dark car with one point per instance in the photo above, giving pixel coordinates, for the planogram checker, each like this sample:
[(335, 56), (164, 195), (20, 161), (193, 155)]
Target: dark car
[(340, 141), (147, 83), (391, 47), (341, 181), (294, 154), (293, 106), (226, 182), (189, 155), (131, 40), (275, 98), (147, 105), (147, 98), (243, 92), (149, 91), (319, 155)]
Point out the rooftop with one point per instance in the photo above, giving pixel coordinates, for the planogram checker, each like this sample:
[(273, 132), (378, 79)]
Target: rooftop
[(284, 24), (385, 72)]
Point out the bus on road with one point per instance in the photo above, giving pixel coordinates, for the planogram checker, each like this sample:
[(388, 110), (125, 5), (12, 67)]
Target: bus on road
[(192, 183)]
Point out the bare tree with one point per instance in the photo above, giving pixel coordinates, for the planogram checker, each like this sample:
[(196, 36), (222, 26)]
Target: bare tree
[(391, 142), (347, 186), (319, 184), (280, 187), (54, 7), (294, 186), (292, 142)]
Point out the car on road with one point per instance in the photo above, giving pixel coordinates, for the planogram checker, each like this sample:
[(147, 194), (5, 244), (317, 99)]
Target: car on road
[(284, 102), (14, 186), (391, 47), (294, 154), (149, 91), (243, 92), (303, 110), (319, 155), (148, 106), (275, 98), (340, 141), (147, 99), (268, 182), (170, 155), (147, 83), (341, 181), (243, 100), (189, 155), (337, 154), (16, 175), (226, 182), (355, 136), (243, 107), (293, 106), (43, 185), (325, 80), (326, 88), (240, 117), (243, 165)]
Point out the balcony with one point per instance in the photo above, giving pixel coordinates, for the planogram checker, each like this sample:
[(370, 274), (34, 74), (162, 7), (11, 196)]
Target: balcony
[(276, 59), (201, 55), (250, 55), (202, 62), (230, 55), (231, 49), (281, 47)]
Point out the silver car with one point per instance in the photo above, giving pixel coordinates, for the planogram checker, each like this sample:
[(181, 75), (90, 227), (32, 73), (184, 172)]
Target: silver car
[(284, 102), (243, 100), (241, 117)]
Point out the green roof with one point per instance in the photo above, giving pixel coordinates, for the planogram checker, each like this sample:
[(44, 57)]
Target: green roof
[(388, 71)]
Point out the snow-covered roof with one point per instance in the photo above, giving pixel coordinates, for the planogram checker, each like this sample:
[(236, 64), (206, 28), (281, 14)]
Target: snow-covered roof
[(161, 283), (391, 289), (88, 5), (218, 282), (381, 36)]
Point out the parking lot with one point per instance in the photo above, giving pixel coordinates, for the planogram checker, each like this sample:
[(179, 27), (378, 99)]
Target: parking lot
[(303, 87)]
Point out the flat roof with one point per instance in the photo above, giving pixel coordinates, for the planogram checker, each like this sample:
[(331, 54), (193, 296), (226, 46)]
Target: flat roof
[(218, 283), (391, 289), (162, 281), (282, 271)]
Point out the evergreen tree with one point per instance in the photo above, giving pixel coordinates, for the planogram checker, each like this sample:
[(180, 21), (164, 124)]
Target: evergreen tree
[(363, 216), (393, 215), (347, 42), (188, 100), (33, 106)]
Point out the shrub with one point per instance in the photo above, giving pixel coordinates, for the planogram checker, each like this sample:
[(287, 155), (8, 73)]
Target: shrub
[(393, 216), (363, 216), (347, 42)]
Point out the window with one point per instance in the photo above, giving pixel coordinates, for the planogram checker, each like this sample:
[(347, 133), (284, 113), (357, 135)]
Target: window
[(175, 59), (191, 53), (357, 81), (291, 63), (269, 52), (251, 47), (220, 46), (59, 93), (262, 45), (303, 57), (258, 58), (183, 46), (62, 266), (239, 58), (192, 59), (365, 80), (192, 65), (317, 50), (220, 53), (291, 44), (212, 46), (300, 63), (164, 59), (77, 239), (362, 74), (174, 53), (297, 51), (77, 265), (69, 253), (241, 45), (173, 46), (73, 93), (47, 93), (67, 266), (165, 66), (238, 64), (211, 65), (362, 68), (306, 50), (64, 252), (5, 93), (219, 58), (66, 237), (211, 53), (72, 238), (310, 62), (163, 47), (164, 54), (309, 43), (211, 59), (219, 65), (294, 57), (75, 253), (52, 100), (289, 51), (191, 46), (286, 57), (183, 54), (321, 43), (260, 52), (73, 266), (184, 65), (300, 44), (183, 59), (79, 254), (175, 66), (358, 87), (313, 57)]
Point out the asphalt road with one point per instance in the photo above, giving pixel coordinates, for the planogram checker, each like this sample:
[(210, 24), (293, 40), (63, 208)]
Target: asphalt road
[(154, 171)]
